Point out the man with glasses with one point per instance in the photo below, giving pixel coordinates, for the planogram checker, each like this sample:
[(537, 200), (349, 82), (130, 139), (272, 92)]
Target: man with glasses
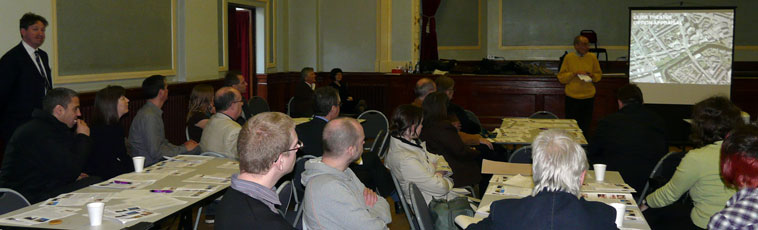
[(220, 134), (267, 146)]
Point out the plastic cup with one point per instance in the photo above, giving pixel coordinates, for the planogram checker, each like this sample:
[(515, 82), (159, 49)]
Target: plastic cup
[(620, 209), (95, 211), (139, 163), (599, 171)]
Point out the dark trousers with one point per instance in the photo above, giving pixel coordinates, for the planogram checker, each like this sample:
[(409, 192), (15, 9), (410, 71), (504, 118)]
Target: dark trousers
[(581, 111)]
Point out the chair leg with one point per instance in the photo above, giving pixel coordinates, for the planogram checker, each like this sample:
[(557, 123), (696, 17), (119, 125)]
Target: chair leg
[(297, 217), (197, 219)]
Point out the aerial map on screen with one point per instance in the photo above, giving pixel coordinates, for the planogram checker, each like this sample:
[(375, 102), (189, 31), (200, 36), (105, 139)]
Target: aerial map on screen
[(681, 47)]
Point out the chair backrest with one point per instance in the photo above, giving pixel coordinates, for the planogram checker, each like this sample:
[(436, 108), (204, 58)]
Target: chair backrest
[(289, 106), (11, 200), (375, 121), (285, 196), (378, 142), (543, 115), (522, 155), (213, 154), (590, 35), (186, 132), (421, 209), (298, 175), (257, 105), (662, 173), (385, 147), (400, 193)]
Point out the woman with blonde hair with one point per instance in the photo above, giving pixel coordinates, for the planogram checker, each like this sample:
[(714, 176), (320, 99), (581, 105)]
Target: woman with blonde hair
[(200, 110)]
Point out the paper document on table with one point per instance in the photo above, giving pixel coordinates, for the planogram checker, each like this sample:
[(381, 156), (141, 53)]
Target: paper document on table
[(607, 187), (497, 167), (154, 202), (218, 178), (189, 158), (40, 215), (132, 193), (77, 199), (126, 212), (198, 187), (483, 210), (123, 184), (520, 181), (141, 176), (503, 190), (609, 198), (187, 193), (176, 164), (464, 221), (230, 165)]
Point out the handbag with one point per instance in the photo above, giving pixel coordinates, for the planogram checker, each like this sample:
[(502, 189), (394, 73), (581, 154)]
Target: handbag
[(444, 212)]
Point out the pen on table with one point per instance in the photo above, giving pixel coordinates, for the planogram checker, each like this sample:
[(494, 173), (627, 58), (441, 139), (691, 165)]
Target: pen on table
[(121, 182), (161, 191)]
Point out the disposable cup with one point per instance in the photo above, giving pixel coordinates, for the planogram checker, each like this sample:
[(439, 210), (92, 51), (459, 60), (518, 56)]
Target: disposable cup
[(620, 209), (599, 171), (95, 211), (139, 163)]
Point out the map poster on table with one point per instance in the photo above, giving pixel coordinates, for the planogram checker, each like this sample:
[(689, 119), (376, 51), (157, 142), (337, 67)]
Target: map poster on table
[(41, 215)]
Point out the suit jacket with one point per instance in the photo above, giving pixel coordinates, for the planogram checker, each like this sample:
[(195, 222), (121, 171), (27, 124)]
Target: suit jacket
[(630, 141), (302, 105), (442, 138), (310, 133), (22, 88), (548, 210), (220, 135)]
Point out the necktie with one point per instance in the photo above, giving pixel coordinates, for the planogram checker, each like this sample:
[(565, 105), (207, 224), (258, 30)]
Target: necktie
[(41, 70)]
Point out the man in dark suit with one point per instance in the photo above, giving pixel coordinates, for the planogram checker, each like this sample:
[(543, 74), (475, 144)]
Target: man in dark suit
[(558, 172), (327, 108), (25, 76), (302, 105), (630, 141)]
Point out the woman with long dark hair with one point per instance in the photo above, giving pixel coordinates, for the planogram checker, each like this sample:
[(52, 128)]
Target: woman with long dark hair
[(200, 110), (109, 157)]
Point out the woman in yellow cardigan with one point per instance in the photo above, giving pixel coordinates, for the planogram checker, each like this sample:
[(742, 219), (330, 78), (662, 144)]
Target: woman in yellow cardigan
[(578, 72)]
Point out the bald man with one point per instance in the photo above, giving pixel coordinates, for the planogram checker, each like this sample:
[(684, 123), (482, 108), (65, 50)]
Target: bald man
[(424, 86), (220, 134)]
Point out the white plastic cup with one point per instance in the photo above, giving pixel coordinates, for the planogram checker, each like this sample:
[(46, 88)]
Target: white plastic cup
[(620, 209), (599, 171), (95, 211), (139, 163)]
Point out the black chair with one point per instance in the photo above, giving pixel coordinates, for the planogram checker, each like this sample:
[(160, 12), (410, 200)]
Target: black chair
[(10, 200), (375, 121), (421, 209), (522, 155), (411, 221), (543, 115), (378, 142), (299, 187), (257, 105), (661, 174), (285, 196), (592, 37)]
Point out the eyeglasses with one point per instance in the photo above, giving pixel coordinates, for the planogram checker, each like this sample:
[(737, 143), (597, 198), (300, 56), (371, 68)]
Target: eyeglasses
[(298, 146)]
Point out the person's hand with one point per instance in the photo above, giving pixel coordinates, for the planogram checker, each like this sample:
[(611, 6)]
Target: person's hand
[(82, 176), (439, 173), (81, 127), (643, 205), (581, 73), (486, 142), (457, 125), (349, 98), (370, 197), (190, 145)]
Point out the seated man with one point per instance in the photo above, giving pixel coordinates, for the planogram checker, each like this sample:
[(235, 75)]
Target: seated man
[(327, 108), (44, 158), (147, 136), (631, 140), (303, 102), (467, 128), (559, 168), (237, 81), (334, 197), (220, 134), (267, 145), (424, 86)]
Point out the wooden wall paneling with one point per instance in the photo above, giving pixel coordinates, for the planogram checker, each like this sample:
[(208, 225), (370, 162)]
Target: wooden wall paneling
[(745, 95)]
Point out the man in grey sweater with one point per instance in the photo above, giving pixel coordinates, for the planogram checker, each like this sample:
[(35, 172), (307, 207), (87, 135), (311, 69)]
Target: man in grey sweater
[(334, 197)]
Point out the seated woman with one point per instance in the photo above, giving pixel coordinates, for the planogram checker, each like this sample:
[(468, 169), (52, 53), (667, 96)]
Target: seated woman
[(442, 137), (200, 110), (409, 161), (349, 104), (108, 158), (739, 168), (698, 171)]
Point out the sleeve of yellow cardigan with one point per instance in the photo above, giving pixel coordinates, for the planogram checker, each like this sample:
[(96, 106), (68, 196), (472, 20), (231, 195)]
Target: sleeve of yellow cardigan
[(597, 73)]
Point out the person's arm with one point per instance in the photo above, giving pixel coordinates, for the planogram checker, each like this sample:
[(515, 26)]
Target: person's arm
[(201, 123), (155, 139), (344, 209), (686, 175), (597, 74), (469, 139), (435, 184), (451, 141), (9, 71), (231, 140), (565, 75)]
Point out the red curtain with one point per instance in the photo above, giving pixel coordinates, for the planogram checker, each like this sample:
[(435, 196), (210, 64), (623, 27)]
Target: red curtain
[(429, 30), (240, 53)]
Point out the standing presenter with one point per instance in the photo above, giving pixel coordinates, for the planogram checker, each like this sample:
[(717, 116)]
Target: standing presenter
[(579, 71)]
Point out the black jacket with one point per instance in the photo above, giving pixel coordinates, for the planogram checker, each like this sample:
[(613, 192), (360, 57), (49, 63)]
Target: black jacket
[(21, 88), (548, 210), (630, 141), (240, 211), (42, 156), (310, 133), (109, 158), (442, 138), (302, 105)]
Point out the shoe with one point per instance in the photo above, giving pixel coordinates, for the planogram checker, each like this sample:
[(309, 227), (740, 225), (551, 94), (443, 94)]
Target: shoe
[(399, 208), (210, 219)]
